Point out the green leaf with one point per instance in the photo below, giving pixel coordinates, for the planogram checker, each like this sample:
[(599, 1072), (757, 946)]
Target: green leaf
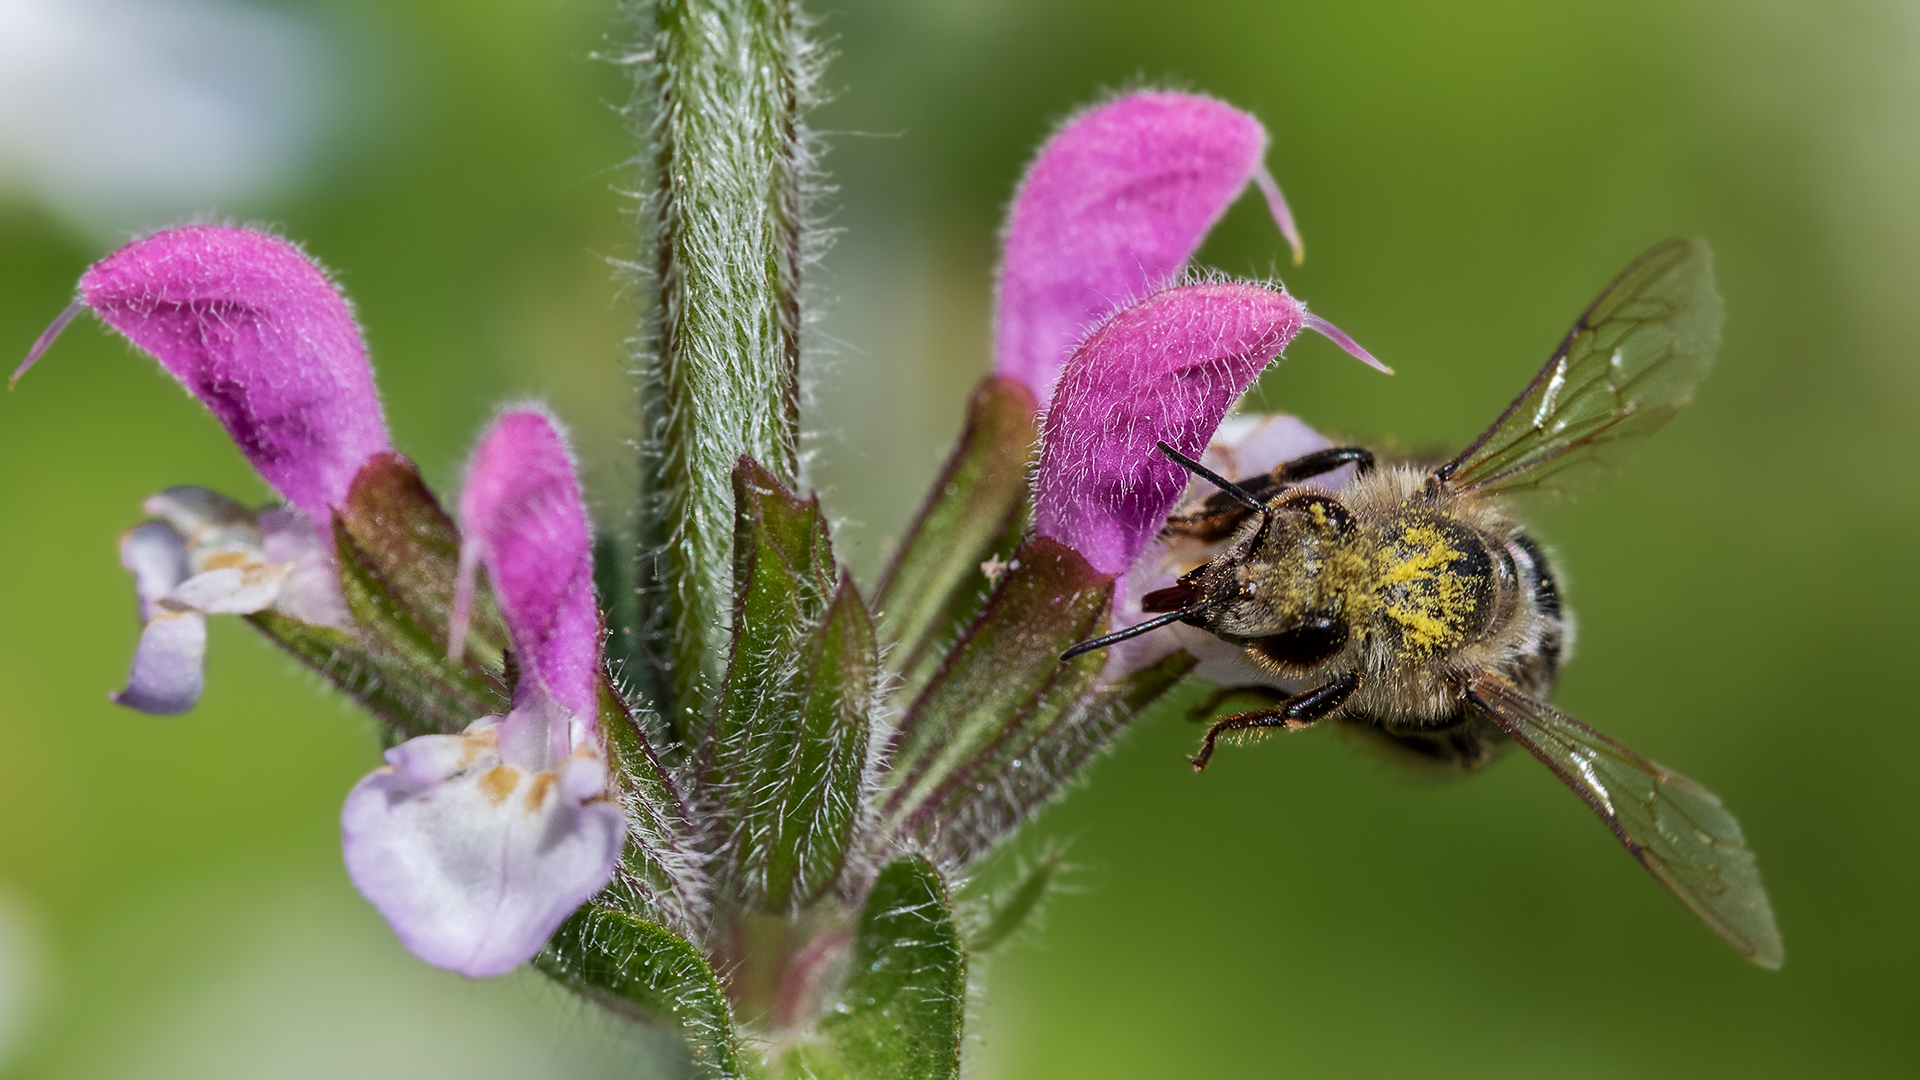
[(1017, 906), (647, 972), (1002, 685), (974, 515), (806, 819), (901, 1011), (719, 99)]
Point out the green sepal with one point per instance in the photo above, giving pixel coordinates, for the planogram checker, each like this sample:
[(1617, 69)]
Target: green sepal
[(802, 825), (398, 556), (409, 701), (1012, 910), (616, 582), (784, 582), (900, 1013), (975, 513), (440, 696), (412, 545), (1002, 685), (658, 865), (964, 826), (645, 971)]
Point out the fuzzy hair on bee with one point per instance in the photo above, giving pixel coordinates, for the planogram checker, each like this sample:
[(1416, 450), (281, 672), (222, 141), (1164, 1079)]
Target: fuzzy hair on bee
[(1413, 604)]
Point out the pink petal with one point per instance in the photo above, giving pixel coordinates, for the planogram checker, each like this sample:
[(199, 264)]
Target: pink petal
[(1166, 369), (261, 337), (523, 518), (1115, 205), (475, 861)]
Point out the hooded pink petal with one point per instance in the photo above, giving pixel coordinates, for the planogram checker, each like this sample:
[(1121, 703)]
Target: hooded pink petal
[(258, 334), (1115, 205), (1166, 369), (523, 518)]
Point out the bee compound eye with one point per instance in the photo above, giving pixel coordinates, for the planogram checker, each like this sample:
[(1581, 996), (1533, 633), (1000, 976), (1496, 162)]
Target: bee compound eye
[(1311, 641)]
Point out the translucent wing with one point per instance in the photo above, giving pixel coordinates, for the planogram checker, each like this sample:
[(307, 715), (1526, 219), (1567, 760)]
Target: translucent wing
[(1629, 363), (1675, 827)]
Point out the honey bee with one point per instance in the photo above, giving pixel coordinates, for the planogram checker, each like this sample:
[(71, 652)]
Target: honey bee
[(1412, 603)]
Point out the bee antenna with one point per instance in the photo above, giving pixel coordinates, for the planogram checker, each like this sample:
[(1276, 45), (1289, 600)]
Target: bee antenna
[(1239, 493), (1136, 630)]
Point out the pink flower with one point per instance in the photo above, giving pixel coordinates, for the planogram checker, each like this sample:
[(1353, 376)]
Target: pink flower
[(1115, 205), (474, 846), (477, 846), (254, 329), (1112, 210)]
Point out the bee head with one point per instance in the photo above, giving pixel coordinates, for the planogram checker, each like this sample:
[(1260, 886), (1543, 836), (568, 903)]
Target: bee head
[(1267, 591)]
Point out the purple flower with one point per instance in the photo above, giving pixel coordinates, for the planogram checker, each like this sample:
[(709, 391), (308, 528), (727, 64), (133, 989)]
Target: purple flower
[(477, 846), (1115, 205), (254, 329)]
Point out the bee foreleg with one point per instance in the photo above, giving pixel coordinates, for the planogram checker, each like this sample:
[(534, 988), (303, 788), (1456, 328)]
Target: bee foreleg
[(1321, 462), (1297, 712), (1220, 515), (1223, 694)]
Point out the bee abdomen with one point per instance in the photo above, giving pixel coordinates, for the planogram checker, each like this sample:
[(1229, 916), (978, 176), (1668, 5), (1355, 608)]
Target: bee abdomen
[(1539, 661)]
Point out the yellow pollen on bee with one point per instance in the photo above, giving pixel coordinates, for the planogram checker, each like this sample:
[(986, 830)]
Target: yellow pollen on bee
[(1433, 619), (498, 782)]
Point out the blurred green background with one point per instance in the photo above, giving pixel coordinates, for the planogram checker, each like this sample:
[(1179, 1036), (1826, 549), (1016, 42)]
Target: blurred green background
[(171, 899)]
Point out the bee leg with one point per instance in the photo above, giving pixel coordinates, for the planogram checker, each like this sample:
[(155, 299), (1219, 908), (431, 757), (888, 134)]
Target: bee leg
[(1297, 712), (1321, 462), (1220, 515), (1222, 694)]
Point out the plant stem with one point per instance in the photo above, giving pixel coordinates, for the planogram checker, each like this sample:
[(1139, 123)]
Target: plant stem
[(719, 93)]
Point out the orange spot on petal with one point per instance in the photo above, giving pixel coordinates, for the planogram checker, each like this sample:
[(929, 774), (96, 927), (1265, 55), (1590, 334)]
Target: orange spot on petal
[(537, 794), (498, 782)]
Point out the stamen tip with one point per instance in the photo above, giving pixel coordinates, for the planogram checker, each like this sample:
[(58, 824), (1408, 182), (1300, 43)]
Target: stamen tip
[(1339, 337), (1282, 214), (45, 340)]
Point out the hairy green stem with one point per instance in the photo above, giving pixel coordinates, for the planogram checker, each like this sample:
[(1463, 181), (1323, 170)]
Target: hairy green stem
[(720, 86)]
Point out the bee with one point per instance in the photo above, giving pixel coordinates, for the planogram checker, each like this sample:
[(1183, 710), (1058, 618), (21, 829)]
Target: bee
[(1412, 603)]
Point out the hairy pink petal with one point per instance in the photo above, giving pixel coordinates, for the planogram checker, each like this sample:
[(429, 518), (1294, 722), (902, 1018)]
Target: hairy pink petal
[(523, 518), (1166, 369), (258, 334), (1115, 205)]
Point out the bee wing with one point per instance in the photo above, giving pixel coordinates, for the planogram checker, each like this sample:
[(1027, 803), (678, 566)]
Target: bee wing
[(1675, 827), (1629, 363)]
